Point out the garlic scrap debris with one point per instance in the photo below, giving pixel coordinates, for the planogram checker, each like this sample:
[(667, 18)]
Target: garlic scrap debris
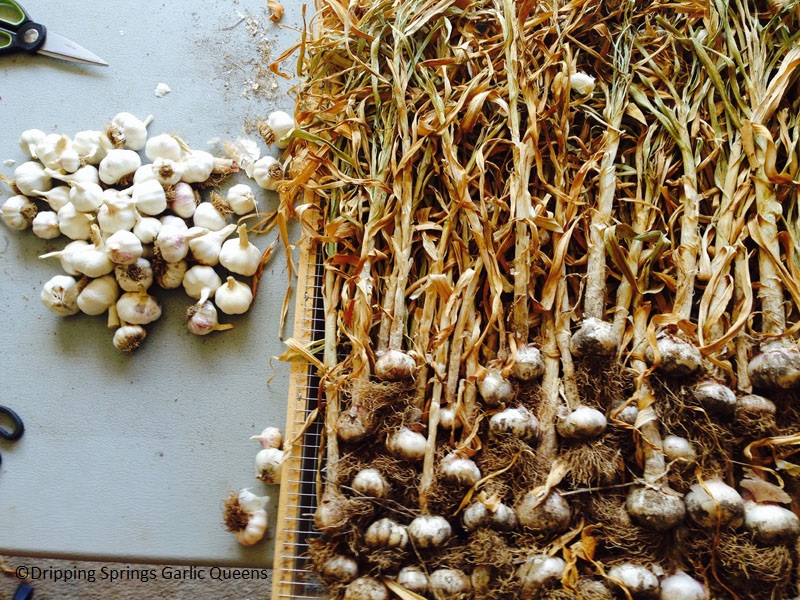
[(138, 215)]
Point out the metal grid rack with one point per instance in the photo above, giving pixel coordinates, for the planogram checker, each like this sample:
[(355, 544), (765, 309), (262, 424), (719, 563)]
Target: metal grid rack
[(292, 578)]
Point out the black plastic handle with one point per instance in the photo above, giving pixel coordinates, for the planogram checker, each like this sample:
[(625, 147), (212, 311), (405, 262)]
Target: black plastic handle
[(19, 426)]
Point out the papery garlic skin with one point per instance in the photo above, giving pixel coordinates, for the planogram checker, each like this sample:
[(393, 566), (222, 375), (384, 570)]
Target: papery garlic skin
[(18, 212), (538, 570), (60, 295), (233, 297), (582, 83)]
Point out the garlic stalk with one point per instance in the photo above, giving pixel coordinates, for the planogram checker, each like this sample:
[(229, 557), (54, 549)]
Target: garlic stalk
[(246, 516), (240, 256)]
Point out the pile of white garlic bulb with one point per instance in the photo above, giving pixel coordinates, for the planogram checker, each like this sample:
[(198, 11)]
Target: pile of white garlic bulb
[(130, 209)]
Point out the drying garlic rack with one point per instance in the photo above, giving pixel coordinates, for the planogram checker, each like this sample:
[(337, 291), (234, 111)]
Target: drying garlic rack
[(292, 578)]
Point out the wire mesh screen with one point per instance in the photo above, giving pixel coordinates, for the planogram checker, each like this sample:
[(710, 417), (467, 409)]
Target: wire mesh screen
[(292, 577)]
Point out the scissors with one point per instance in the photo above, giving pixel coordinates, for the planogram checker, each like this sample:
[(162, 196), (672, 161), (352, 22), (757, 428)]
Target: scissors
[(18, 426), (18, 33)]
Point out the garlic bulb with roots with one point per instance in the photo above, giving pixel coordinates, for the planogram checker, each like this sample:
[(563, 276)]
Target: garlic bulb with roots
[(656, 507), (539, 570), (202, 317), (169, 275), (754, 406), (771, 524), (713, 504), (118, 165), (268, 173), (60, 295), (129, 337), (386, 533), (519, 422), (681, 586), (715, 397), (208, 216), (394, 365), (550, 514), (582, 423), (407, 444), (276, 127), (776, 366), (495, 389), (413, 579), (449, 583), (678, 357), (459, 469), (489, 514), (638, 580), (366, 588), (528, 363), (340, 568), (246, 516), (678, 448), (429, 531), (594, 337), (370, 482)]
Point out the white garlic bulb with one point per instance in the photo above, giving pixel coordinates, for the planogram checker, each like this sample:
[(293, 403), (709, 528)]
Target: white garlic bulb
[(138, 308), (92, 260), (173, 242), (714, 504), (162, 145), (124, 248), (241, 199), (340, 567), (74, 224), (538, 570), (149, 197), (60, 295), (268, 464), (197, 166), (202, 317), (67, 256), (268, 173), (239, 255), (87, 173), (147, 229), (98, 295), (635, 578), (206, 215), (118, 164), (56, 197), (91, 146), (407, 444), (681, 586), (18, 212), (279, 124), (459, 469), (370, 482), (45, 225), (518, 421), (131, 276), (549, 514), (495, 389), (49, 149), (581, 83), (29, 139), (30, 177), (366, 588), (183, 200), (582, 423), (394, 365), (386, 533), (413, 579), (169, 275), (233, 297), (167, 171), (528, 363), (678, 448), (429, 531), (86, 196), (116, 213), (129, 337), (128, 130), (450, 584), (246, 517), (205, 249), (201, 278)]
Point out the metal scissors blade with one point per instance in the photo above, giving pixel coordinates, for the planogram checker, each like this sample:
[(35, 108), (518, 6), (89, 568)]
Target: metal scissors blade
[(58, 46), (18, 33)]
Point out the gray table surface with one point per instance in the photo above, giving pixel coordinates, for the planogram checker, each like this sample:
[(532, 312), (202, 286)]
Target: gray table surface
[(130, 457)]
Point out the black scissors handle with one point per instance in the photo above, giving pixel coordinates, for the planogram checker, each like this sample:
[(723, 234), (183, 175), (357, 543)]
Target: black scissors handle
[(18, 33), (18, 425)]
